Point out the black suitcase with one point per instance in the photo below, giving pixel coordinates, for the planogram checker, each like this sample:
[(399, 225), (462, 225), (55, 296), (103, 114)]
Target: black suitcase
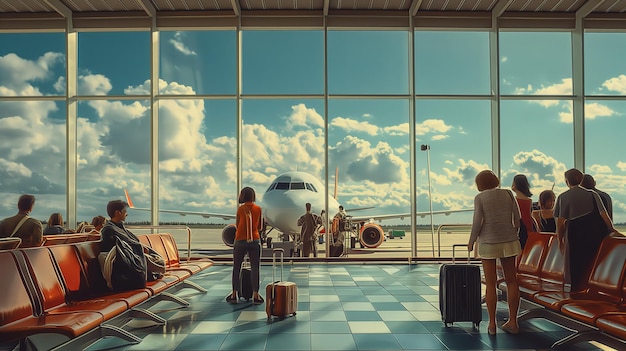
[(460, 297), (245, 280)]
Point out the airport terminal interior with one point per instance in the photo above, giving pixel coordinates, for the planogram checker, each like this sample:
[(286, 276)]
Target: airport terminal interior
[(181, 103)]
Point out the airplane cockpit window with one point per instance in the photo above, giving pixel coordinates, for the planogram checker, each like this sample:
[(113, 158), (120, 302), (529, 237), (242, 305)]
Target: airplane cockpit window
[(282, 186), (297, 186), (272, 186), (310, 187)]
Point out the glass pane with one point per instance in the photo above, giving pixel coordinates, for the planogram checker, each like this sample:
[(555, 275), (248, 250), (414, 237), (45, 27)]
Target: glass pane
[(604, 155), (114, 63), (369, 147), (32, 64), (537, 63), (32, 157), (449, 62), (283, 62), (201, 62), (458, 133), (368, 62), (280, 136), (113, 155), (197, 167), (605, 72), (537, 140)]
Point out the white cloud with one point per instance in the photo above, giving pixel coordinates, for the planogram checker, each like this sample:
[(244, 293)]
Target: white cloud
[(351, 125), (597, 169), (621, 165), (301, 116), (617, 84), (16, 73), (178, 44), (431, 126), (397, 130), (439, 137), (94, 84)]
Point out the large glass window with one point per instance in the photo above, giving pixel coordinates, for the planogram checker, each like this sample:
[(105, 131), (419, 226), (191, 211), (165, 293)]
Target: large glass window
[(605, 122), (197, 167), (32, 64), (536, 140), (369, 146), (283, 62), (605, 71), (201, 62), (32, 156), (368, 62), (114, 63), (452, 62), (113, 155), (458, 133), (535, 63)]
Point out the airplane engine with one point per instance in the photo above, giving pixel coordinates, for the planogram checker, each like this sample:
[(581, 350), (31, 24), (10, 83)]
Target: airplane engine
[(372, 235), (228, 235)]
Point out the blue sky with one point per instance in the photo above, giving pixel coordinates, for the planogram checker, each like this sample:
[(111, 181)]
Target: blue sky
[(368, 136)]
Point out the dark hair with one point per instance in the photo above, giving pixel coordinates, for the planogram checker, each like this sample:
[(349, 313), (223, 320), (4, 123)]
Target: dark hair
[(340, 207), (115, 205), (26, 202), (308, 206), (55, 219), (588, 182), (521, 183), (544, 196), (247, 194), (98, 221), (486, 180), (573, 176)]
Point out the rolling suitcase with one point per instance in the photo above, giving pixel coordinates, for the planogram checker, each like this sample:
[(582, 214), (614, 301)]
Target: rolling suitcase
[(460, 292), (282, 296), (245, 280)]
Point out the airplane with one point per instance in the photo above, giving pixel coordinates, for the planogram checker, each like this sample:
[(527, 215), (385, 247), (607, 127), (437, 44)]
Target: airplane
[(283, 203)]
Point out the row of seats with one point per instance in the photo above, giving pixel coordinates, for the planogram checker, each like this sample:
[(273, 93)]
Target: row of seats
[(596, 313), (57, 239), (60, 290)]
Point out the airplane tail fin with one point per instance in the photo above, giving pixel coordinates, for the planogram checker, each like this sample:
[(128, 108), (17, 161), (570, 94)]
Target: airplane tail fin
[(336, 181), (128, 200)]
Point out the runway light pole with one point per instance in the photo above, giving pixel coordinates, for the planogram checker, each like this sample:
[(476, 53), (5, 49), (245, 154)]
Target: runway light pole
[(426, 148)]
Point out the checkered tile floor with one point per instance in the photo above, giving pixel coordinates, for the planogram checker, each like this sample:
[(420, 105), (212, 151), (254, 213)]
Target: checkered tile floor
[(340, 307)]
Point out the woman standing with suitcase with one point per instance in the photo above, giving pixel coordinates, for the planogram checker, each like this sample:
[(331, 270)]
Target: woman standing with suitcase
[(247, 240), (495, 225)]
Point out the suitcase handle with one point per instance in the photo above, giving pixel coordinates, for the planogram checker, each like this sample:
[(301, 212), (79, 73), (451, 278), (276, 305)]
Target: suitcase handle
[(282, 262), (454, 246)]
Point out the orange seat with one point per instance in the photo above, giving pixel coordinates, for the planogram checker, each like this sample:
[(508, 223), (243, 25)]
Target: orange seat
[(613, 324), (605, 282), (10, 243)]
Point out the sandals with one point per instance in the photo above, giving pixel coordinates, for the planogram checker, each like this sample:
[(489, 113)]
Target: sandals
[(231, 299), (510, 329), (258, 301)]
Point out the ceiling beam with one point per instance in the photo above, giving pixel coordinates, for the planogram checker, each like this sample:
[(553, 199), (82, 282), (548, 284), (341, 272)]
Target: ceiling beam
[(148, 7), (500, 7), (415, 6), (236, 7), (59, 7), (587, 8)]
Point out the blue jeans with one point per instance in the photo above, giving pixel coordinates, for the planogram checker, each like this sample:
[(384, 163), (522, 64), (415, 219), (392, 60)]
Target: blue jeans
[(253, 249)]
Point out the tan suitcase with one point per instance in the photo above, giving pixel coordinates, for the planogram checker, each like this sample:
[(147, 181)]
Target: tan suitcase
[(282, 296)]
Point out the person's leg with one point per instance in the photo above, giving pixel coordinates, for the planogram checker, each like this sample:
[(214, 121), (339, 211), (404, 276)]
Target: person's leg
[(306, 247), (512, 293), (254, 252), (239, 251), (489, 270)]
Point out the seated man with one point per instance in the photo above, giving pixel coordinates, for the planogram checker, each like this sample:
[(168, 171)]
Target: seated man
[(21, 225)]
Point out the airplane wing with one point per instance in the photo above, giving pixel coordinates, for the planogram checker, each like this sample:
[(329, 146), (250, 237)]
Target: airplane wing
[(224, 216), (407, 215)]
